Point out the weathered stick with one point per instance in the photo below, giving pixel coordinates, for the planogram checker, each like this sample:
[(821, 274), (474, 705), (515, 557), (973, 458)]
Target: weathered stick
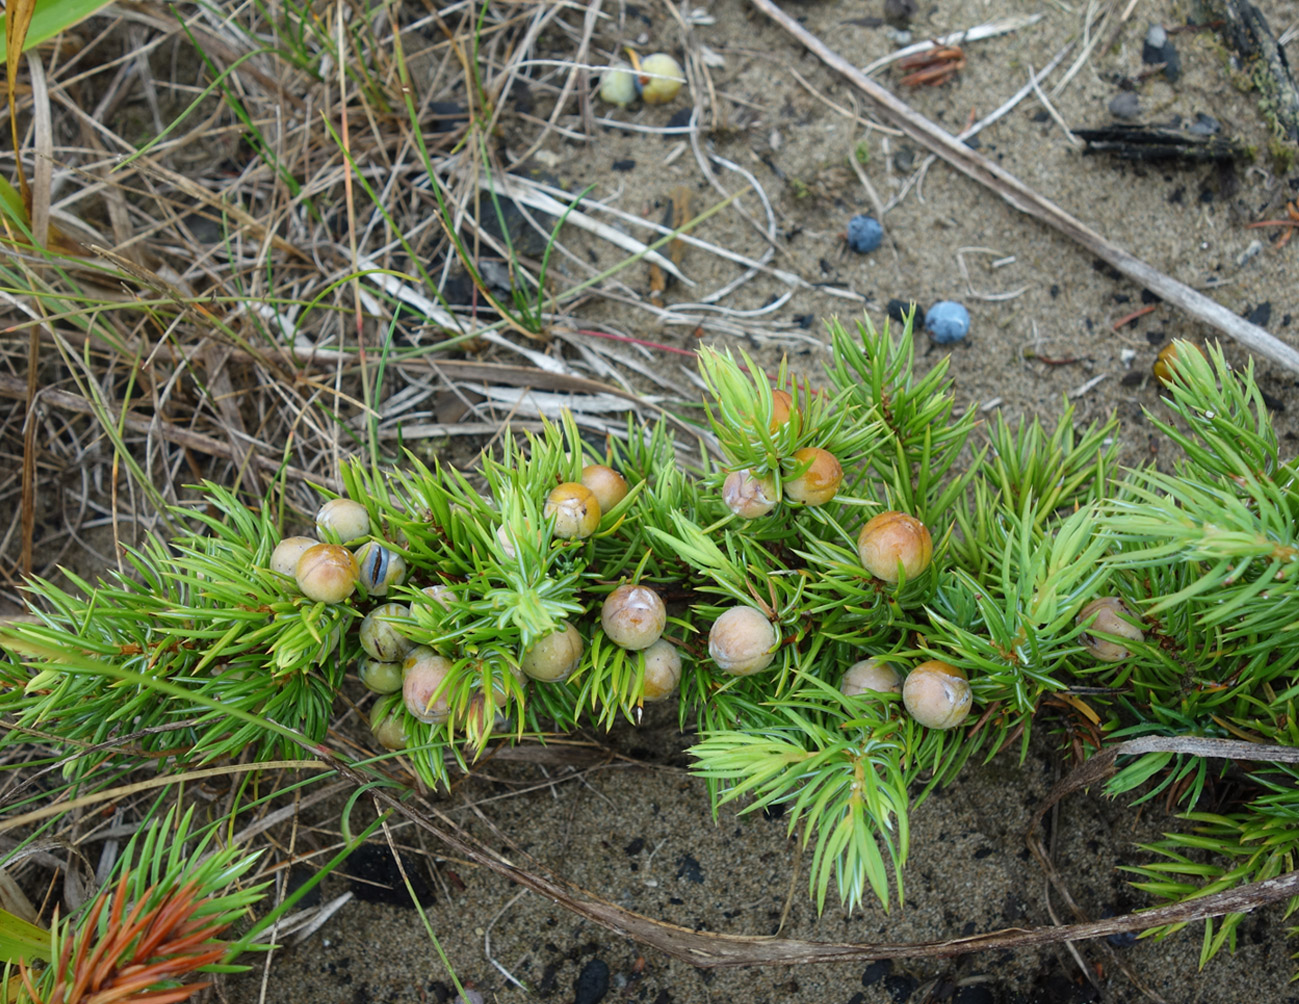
[(985, 172)]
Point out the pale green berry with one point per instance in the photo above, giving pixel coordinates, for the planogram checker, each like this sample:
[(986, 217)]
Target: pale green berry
[(386, 725), (618, 84), (443, 596), (284, 559), (554, 657), (380, 677), (662, 671), (380, 638), (344, 517)]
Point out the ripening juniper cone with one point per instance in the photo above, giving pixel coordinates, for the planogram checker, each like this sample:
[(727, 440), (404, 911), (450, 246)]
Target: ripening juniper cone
[(633, 616), (742, 641), (937, 695), (576, 510)]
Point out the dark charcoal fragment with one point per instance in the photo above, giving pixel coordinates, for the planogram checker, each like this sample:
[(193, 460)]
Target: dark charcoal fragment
[(298, 876), (376, 878), (525, 238), (1246, 30), (897, 310), (1261, 314), (623, 165), (690, 869), (876, 971), (1172, 64), (447, 116), (900, 987), (1159, 143), (679, 120), (592, 983), (977, 993), (1158, 48)]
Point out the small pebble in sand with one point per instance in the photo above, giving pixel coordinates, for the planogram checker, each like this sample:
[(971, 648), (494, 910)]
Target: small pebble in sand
[(1158, 48), (947, 322), (900, 12), (864, 233), (1152, 49), (1126, 105)]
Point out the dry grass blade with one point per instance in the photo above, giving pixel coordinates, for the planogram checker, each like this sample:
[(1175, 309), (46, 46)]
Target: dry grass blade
[(17, 20)]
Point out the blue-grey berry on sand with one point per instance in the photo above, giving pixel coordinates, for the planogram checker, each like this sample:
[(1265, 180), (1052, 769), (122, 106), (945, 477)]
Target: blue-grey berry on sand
[(947, 321), (864, 233)]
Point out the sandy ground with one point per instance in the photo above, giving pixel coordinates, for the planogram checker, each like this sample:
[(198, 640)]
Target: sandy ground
[(642, 836)]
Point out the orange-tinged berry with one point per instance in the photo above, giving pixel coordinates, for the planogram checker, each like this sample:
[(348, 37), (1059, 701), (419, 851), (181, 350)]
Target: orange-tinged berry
[(781, 404), (327, 573), (894, 539), (576, 510), (1170, 356), (633, 616), (819, 483), (424, 672), (660, 78), (608, 486), (937, 695)]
